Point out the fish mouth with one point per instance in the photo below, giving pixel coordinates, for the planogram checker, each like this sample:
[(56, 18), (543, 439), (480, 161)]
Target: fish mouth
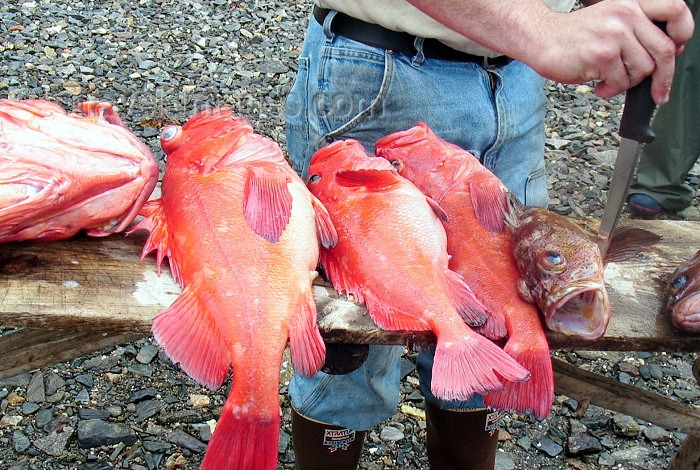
[(582, 311), (685, 315)]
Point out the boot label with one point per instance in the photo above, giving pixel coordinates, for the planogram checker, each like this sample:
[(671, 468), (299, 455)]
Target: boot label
[(338, 438), (493, 420)]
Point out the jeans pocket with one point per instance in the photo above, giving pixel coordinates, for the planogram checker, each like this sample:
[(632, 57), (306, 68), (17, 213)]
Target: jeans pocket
[(353, 82), (536, 189), (297, 119)]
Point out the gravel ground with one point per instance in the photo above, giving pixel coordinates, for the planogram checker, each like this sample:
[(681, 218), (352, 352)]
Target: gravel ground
[(159, 60)]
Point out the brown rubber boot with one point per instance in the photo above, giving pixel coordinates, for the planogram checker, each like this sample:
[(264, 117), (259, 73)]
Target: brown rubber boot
[(321, 446), (461, 440)]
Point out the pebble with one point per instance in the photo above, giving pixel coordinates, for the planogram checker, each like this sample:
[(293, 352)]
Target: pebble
[(96, 432)]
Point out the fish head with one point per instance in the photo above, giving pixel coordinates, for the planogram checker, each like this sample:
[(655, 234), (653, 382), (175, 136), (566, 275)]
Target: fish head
[(683, 299), (70, 171), (561, 271), (211, 137), (345, 165)]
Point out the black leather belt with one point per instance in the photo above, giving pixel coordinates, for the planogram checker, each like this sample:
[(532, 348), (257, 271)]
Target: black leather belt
[(378, 36)]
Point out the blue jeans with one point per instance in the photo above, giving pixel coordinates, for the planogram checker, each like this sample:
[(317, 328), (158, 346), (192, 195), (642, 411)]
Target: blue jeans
[(346, 89)]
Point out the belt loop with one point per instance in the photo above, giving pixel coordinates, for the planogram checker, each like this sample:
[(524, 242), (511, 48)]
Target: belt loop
[(420, 56), (330, 36)]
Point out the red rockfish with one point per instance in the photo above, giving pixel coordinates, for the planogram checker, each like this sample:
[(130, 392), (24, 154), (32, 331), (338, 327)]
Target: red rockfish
[(240, 231), (62, 173), (481, 250), (392, 255)]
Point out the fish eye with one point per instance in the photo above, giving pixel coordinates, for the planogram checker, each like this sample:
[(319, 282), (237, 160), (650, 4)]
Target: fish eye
[(314, 178), (678, 283), (398, 164), (169, 133), (552, 262)]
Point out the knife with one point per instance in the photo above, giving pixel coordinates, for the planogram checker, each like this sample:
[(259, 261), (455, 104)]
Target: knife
[(635, 131)]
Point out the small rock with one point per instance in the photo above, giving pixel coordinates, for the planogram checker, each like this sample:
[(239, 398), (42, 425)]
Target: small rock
[(83, 397), (55, 442), (624, 425), (95, 433), (87, 413), (199, 401), (581, 444), (36, 393), (85, 379), (42, 418), (20, 442), (148, 408), (53, 383), (29, 408), (656, 433), (390, 433), (15, 399), (147, 353), (548, 446), (186, 441), (145, 394)]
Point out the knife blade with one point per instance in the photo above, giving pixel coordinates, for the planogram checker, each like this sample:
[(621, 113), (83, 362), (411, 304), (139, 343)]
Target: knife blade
[(635, 131)]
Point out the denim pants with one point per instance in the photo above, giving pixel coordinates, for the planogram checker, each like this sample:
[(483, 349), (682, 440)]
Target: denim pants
[(346, 89)]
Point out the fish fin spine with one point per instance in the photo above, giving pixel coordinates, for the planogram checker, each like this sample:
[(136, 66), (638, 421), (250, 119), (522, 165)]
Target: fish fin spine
[(306, 346), (267, 202), (190, 337), (471, 365), (243, 442), (537, 393)]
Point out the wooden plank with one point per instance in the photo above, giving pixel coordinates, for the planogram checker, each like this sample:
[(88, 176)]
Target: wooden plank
[(28, 349), (613, 395), (688, 455), (100, 285)]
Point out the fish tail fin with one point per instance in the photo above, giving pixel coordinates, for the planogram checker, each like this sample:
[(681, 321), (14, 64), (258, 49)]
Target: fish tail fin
[(471, 365), (243, 442), (306, 346), (190, 337), (537, 393), (469, 307)]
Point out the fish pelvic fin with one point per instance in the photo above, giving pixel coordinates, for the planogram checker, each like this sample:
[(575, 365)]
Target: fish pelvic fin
[(243, 442), (306, 346), (188, 334), (468, 306), (267, 202), (537, 393), (154, 221), (472, 364), (490, 203), (327, 234)]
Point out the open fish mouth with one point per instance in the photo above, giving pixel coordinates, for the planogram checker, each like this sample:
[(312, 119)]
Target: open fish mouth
[(582, 311), (685, 315)]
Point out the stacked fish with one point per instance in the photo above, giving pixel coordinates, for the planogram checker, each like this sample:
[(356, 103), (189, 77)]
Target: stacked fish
[(422, 233)]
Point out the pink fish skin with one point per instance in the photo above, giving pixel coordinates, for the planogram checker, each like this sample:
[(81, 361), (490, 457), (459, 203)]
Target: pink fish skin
[(481, 250), (392, 255), (62, 173), (241, 233), (683, 295)]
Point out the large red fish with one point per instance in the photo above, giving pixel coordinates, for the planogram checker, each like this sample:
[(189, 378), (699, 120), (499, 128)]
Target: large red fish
[(60, 172), (240, 230), (392, 255), (481, 250)]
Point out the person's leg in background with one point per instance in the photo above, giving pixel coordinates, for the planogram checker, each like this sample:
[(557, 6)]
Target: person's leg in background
[(665, 162)]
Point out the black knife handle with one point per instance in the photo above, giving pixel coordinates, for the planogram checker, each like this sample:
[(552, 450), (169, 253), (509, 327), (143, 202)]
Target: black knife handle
[(635, 122)]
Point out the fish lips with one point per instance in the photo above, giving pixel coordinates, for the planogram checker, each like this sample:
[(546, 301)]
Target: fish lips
[(580, 309), (685, 313)]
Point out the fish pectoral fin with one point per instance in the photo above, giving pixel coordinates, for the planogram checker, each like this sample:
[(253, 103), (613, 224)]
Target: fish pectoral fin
[(189, 335), (156, 223), (490, 202), (267, 202), (325, 229), (306, 346), (628, 242), (469, 307), (372, 179), (439, 211)]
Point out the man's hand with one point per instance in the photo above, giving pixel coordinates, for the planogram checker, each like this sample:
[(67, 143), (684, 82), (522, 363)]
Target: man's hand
[(614, 42)]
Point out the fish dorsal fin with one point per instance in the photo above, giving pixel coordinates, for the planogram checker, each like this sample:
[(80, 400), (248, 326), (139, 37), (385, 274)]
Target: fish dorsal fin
[(489, 201), (267, 202), (189, 335), (376, 180), (628, 242), (327, 234)]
